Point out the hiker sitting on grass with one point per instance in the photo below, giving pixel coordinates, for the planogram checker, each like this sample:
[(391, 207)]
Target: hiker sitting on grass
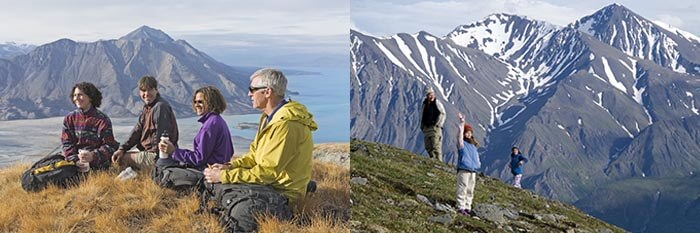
[(277, 167), (87, 132), (156, 118), (212, 144)]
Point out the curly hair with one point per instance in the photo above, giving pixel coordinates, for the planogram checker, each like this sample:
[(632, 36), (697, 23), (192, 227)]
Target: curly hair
[(91, 91), (213, 100)]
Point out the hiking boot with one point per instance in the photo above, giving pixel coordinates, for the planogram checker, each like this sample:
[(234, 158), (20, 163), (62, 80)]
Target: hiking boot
[(127, 174), (466, 212)]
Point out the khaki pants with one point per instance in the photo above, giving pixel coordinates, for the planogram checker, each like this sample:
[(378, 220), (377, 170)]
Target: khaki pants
[(466, 181), (138, 160), (433, 141)]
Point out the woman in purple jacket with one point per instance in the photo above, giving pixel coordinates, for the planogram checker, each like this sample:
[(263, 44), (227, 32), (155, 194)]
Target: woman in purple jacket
[(212, 144)]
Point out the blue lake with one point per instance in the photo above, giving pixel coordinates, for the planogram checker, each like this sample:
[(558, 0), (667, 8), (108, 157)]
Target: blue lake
[(328, 97)]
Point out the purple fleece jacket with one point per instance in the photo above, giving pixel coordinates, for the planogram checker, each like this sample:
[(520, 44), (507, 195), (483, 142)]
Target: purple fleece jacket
[(211, 145)]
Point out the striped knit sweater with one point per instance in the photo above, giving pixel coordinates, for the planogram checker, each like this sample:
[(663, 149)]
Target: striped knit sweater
[(90, 130)]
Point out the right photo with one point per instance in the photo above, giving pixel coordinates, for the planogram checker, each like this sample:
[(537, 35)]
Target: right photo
[(524, 116)]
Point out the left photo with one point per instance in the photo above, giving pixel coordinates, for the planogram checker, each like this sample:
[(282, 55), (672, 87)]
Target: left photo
[(174, 116)]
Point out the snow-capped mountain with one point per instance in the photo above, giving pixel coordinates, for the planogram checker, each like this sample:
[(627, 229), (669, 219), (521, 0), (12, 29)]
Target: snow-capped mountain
[(503, 35), (639, 37), (581, 107)]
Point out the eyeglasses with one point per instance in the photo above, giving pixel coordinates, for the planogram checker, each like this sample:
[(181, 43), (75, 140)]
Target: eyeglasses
[(198, 102), (254, 89)]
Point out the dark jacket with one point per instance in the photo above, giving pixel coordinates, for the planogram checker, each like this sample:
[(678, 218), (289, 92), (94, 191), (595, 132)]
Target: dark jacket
[(156, 118), (515, 166), (432, 114)]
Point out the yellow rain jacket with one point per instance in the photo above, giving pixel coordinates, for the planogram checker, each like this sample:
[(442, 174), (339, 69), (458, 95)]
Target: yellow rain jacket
[(280, 153)]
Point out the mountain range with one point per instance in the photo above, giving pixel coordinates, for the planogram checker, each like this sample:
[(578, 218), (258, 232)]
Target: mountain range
[(37, 84), (11, 49), (607, 98)]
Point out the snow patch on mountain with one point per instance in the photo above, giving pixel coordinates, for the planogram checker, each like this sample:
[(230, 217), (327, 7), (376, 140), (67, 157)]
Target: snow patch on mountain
[(600, 104), (492, 116), (587, 27), (563, 129), (497, 34), (687, 35), (354, 46), (592, 72), (611, 76), (389, 55), (692, 103)]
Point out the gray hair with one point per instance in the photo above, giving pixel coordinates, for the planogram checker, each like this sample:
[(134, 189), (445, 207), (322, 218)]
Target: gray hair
[(273, 79)]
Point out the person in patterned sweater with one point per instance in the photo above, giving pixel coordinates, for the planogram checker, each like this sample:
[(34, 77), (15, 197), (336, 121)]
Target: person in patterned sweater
[(87, 128)]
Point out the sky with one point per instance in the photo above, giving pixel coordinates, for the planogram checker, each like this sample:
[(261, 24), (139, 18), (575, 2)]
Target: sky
[(385, 18), (219, 27)]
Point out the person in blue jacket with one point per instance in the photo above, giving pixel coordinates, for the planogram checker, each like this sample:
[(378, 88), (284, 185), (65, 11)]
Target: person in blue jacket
[(516, 162), (467, 165)]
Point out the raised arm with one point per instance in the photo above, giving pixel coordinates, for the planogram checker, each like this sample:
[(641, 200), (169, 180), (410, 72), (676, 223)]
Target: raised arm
[(460, 141)]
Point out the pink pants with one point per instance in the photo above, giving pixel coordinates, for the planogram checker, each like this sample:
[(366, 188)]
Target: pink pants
[(516, 181)]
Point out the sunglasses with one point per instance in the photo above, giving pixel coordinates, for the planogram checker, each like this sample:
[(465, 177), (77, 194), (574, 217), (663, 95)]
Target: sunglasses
[(198, 102), (254, 89)]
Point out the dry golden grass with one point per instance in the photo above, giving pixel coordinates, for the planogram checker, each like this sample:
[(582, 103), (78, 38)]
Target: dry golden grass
[(332, 147), (326, 210), (101, 204)]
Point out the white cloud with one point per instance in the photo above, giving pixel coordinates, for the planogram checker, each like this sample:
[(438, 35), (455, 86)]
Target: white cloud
[(38, 22), (439, 17), (673, 20)]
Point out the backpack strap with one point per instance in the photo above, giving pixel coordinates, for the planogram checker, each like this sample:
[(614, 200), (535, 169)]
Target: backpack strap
[(53, 166)]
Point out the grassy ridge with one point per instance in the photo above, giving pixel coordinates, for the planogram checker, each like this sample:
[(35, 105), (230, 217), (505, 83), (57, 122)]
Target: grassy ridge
[(102, 204), (395, 177)]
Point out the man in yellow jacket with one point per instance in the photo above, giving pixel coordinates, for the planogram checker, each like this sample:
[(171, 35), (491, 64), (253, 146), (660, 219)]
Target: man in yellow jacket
[(279, 159)]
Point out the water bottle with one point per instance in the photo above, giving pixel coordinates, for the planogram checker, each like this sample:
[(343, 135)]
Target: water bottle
[(163, 137), (82, 165)]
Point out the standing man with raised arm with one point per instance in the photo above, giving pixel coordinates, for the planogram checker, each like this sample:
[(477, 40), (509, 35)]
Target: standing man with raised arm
[(156, 118), (431, 122)]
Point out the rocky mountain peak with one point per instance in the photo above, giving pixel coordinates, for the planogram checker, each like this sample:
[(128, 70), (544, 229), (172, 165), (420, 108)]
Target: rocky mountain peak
[(35, 85), (501, 34), (639, 37), (147, 33)]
